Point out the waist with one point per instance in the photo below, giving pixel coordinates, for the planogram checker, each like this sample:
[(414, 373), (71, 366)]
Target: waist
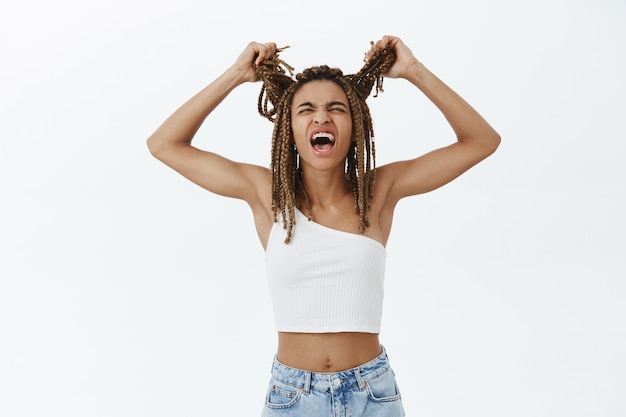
[(353, 378), (327, 352)]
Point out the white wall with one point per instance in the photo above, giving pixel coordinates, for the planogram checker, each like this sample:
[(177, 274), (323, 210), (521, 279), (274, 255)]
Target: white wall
[(127, 291)]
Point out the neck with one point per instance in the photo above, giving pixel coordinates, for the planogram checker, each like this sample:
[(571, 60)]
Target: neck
[(325, 189)]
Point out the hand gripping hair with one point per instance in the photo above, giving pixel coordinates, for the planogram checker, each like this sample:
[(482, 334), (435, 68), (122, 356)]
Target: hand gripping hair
[(274, 103)]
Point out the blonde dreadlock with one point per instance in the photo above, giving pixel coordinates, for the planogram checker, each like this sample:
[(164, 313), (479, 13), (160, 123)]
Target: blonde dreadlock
[(279, 88)]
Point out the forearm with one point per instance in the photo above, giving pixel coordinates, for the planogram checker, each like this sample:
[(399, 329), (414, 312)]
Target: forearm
[(467, 123), (182, 125)]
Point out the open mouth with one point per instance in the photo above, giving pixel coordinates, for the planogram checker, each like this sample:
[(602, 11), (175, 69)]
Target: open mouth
[(323, 141)]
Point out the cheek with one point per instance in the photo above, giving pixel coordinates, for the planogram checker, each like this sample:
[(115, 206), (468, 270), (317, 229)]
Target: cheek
[(295, 130), (298, 134), (348, 130)]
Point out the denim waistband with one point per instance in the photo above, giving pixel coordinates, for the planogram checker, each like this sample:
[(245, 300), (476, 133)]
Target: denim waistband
[(355, 378)]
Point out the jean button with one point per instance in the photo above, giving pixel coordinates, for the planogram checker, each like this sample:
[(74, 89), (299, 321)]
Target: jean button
[(336, 382)]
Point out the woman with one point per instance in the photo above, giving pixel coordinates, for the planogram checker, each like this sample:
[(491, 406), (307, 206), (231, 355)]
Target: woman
[(323, 213)]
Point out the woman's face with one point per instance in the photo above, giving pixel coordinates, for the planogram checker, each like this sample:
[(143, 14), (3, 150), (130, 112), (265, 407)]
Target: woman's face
[(322, 124)]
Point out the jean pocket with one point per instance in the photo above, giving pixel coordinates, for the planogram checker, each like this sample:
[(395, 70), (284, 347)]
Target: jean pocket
[(383, 388), (281, 396)]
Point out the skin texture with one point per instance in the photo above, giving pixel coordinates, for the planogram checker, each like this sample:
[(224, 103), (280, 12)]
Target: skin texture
[(330, 197), (321, 106)]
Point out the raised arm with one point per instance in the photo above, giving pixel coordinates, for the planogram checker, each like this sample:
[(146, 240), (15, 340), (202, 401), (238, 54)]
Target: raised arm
[(171, 142), (476, 139)]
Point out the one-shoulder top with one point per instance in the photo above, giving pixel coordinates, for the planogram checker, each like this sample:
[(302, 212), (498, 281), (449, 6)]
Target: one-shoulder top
[(324, 280)]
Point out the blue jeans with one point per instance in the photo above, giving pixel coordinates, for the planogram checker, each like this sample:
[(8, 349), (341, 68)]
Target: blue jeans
[(366, 391)]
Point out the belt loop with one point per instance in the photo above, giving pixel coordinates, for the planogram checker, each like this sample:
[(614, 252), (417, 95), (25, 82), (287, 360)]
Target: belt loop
[(307, 383), (359, 379)]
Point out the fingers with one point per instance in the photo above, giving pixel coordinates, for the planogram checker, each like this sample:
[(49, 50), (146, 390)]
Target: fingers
[(253, 55), (404, 59), (262, 51), (385, 41)]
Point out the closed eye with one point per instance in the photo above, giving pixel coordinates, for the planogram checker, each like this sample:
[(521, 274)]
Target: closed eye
[(337, 106), (334, 106)]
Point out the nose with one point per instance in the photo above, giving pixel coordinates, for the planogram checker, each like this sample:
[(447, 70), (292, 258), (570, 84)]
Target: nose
[(321, 117)]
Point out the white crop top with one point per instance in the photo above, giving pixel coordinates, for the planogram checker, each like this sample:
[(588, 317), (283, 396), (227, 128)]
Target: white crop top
[(324, 280)]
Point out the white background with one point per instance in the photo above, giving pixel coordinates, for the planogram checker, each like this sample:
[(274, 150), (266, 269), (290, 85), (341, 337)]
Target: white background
[(127, 291)]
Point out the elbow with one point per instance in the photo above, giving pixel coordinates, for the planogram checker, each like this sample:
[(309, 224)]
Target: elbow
[(489, 141), (483, 144), (494, 141), (153, 146)]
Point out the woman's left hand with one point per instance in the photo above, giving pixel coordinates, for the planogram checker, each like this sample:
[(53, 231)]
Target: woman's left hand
[(404, 57)]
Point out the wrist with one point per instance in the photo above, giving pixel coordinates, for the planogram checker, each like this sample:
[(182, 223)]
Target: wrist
[(418, 74), (236, 76), (415, 71)]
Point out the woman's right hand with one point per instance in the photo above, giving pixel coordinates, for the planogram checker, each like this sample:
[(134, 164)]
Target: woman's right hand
[(254, 54)]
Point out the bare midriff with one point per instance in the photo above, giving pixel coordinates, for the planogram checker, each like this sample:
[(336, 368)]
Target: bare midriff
[(327, 352)]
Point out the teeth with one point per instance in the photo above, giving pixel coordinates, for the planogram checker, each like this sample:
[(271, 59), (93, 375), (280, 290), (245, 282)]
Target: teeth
[(323, 135)]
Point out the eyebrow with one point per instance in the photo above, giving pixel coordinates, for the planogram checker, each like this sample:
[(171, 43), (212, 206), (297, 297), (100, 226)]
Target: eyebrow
[(330, 104)]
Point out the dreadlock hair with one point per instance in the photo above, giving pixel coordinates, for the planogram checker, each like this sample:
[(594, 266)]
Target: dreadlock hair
[(278, 90)]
